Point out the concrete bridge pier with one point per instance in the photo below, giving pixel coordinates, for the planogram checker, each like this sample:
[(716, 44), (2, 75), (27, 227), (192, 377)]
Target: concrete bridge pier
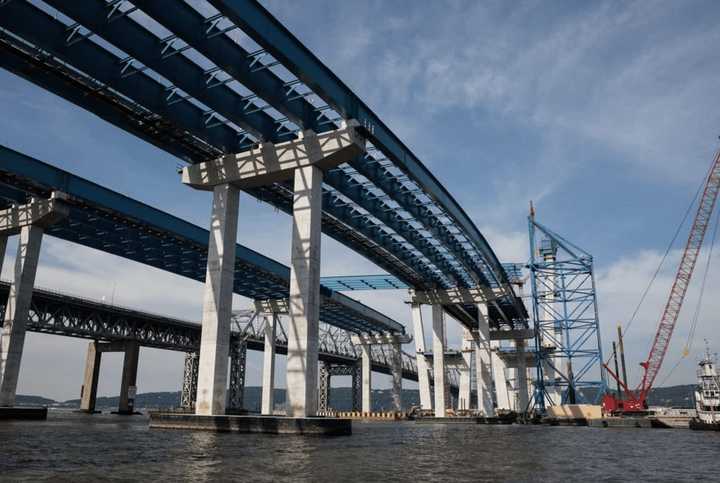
[(302, 160), (303, 328), (421, 360), (190, 379), (463, 402), (128, 383), (88, 391), (17, 311), (484, 379), (366, 372), (29, 221), (268, 375), (521, 379), (502, 389), (217, 304), (439, 345), (365, 343), (128, 387)]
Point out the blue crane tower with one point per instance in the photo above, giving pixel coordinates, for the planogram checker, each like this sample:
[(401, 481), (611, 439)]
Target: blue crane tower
[(568, 345)]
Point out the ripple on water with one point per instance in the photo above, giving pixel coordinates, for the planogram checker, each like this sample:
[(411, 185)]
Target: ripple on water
[(78, 447)]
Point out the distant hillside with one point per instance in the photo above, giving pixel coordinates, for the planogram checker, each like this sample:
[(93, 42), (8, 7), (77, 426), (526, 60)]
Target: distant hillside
[(33, 401), (340, 399)]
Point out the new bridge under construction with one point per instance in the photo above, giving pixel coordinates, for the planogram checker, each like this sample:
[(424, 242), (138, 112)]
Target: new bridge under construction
[(243, 106)]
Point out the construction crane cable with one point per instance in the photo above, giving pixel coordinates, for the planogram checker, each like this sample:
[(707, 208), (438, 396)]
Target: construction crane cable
[(667, 252), (696, 315)]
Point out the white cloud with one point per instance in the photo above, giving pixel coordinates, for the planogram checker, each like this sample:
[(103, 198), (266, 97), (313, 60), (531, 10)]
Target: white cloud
[(620, 287)]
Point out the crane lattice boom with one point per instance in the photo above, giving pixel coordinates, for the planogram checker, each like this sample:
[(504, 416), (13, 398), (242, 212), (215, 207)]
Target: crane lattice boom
[(682, 279)]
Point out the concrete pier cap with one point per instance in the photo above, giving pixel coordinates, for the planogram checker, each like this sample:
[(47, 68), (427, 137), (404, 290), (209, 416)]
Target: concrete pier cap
[(269, 163)]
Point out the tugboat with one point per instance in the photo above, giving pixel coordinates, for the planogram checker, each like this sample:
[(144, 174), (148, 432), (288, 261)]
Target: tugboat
[(707, 395)]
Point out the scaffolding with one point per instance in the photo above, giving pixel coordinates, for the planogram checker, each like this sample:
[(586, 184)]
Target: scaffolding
[(568, 349)]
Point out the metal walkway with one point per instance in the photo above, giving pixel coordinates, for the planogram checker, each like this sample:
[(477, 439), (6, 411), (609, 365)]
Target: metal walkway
[(111, 222), (182, 77)]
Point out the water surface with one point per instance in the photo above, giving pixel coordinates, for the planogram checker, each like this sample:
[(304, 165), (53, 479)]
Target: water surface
[(77, 447)]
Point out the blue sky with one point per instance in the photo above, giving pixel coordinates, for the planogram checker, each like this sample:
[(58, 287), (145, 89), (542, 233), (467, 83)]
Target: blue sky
[(603, 113)]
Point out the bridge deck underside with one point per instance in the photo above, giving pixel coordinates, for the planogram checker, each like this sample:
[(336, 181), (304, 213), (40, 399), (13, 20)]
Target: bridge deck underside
[(108, 221), (180, 78)]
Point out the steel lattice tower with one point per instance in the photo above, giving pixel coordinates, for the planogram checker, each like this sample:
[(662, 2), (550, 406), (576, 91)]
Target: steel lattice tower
[(567, 333)]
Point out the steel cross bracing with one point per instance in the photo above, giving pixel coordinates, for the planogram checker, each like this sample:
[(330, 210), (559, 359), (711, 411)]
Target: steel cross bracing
[(568, 346), (108, 221), (61, 314), (186, 79)]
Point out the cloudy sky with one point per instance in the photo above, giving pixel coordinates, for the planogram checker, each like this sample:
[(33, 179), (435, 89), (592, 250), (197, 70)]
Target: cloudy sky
[(603, 113)]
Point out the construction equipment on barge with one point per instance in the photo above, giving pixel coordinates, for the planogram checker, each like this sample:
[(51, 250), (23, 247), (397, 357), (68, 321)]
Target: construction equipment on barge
[(635, 401)]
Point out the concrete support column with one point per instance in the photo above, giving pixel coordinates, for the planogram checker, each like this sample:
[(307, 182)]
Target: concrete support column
[(88, 393), (396, 370), (128, 384), (465, 376), (483, 363), (422, 365), (366, 378), (502, 391), (438, 323), (521, 376), (268, 381), (217, 304), (17, 311), (303, 329), (190, 379)]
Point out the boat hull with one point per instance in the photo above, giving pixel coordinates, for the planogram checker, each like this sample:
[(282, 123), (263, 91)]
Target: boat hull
[(699, 425)]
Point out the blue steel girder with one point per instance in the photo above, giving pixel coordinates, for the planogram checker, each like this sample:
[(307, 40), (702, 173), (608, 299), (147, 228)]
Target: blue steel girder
[(275, 38), (80, 50), (32, 23), (135, 40), (152, 237), (379, 174), (188, 24), (361, 195), (36, 66), (350, 232), (185, 22), (363, 224)]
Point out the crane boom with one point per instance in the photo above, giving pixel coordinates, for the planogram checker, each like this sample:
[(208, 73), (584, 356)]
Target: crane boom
[(682, 280)]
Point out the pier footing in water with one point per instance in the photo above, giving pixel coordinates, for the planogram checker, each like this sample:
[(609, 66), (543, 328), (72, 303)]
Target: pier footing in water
[(23, 413), (253, 424)]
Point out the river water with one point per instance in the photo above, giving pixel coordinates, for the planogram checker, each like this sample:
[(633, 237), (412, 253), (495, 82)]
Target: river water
[(76, 447)]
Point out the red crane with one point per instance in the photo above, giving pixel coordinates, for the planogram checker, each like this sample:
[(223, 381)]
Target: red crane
[(635, 401)]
